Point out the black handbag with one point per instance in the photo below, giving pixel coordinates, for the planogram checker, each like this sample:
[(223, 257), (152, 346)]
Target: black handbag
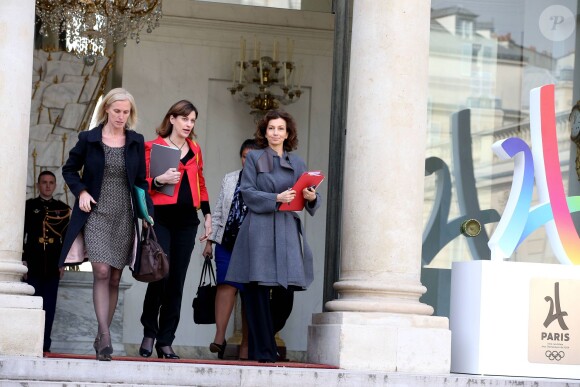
[(153, 264), (204, 302)]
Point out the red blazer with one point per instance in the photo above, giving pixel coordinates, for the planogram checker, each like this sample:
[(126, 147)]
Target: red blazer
[(194, 168)]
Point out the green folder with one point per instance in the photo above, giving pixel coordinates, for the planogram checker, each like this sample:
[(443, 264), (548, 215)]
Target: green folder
[(141, 206)]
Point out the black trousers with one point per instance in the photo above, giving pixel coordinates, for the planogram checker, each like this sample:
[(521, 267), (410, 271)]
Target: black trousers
[(162, 303), (47, 288), (267, 310)]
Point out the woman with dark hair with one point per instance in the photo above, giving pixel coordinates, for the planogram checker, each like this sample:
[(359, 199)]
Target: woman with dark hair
[(103, 224), (228, 214), (176, 223), (271, 257)]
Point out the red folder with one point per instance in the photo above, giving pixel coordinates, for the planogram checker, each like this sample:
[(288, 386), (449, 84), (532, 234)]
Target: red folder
[(308, 179)]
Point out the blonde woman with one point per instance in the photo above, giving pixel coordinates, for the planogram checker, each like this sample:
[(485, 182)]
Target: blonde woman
[(103, 226)]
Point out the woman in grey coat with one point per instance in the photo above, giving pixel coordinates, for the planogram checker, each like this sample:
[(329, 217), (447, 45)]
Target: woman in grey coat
[(271, 255)]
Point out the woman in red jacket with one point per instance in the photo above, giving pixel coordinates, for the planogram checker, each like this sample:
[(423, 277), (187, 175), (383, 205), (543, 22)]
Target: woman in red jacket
[(176, 223)]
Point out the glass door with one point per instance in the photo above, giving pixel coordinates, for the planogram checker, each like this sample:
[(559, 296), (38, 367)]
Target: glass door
[(485, 57)]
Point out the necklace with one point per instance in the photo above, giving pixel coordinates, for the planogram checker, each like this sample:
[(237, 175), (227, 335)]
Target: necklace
[(177, 146)]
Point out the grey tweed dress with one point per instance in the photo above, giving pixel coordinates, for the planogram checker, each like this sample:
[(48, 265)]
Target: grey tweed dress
[(109, 229)]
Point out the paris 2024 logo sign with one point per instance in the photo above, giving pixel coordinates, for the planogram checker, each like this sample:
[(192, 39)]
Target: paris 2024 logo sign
[(541, 163)]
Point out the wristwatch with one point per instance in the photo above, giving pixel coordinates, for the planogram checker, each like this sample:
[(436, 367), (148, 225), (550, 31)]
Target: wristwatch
[(156, 183)]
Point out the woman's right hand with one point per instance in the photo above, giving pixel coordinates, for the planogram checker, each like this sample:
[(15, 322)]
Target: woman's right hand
[(171, 176), (286, 196), (207, 251), (85, 201)]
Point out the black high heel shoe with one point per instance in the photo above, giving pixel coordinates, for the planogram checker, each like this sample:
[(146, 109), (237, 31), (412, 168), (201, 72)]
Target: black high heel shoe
[(146, 348), (220, 349), (96, 346), (103, 347), (165, 352)]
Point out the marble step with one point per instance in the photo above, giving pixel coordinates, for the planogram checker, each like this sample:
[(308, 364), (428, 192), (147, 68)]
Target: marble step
[(85, 372)]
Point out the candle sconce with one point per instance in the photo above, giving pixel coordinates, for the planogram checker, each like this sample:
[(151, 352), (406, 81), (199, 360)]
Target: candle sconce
[(265, 82)]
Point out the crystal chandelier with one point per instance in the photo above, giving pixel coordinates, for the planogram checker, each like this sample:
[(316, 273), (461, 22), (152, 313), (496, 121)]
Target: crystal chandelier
[(90, 24), (266, 82)]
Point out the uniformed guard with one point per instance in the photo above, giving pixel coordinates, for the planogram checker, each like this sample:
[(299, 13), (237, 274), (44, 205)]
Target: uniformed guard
[(45, 223)]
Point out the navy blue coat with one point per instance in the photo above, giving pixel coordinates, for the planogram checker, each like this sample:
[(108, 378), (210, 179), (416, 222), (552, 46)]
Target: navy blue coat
[(88, 155)]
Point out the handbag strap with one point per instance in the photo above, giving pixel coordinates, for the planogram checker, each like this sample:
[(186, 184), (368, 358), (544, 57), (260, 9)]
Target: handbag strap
[(207, 270), (150, 233)]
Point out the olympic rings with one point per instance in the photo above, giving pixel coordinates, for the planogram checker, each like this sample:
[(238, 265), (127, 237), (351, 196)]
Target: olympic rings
[(555, 355)]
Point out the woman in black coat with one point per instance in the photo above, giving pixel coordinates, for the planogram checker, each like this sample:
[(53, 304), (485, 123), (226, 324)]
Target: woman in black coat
[(104, 227)]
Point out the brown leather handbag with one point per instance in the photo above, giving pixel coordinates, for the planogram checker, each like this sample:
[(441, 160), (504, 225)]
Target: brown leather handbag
[(153, 264)]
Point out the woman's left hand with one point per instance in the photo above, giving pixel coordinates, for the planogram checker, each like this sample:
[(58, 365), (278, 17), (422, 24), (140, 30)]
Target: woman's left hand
[(207, 227), (309, 193), (207, 251)]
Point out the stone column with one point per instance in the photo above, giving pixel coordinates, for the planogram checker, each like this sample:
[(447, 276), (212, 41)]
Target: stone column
[(21, 316), (377, 322)]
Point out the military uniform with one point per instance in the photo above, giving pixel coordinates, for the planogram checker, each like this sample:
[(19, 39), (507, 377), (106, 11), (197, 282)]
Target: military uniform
[(45, 223)]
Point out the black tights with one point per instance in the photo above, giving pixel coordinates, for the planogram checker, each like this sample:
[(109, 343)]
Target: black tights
[(105, 294)]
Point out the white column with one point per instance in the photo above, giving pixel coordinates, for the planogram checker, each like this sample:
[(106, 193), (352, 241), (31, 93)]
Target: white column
[(21, 315), (378, 322)]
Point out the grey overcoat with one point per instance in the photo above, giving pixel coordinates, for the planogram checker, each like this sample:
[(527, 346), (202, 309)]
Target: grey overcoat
[(270, 248)]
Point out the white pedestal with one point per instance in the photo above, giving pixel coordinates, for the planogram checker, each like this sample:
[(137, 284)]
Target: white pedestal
[(22, 322), (498, 318), (385, 342)]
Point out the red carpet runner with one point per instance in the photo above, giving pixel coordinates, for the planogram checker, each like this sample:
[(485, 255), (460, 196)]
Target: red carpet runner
[(288, 364)]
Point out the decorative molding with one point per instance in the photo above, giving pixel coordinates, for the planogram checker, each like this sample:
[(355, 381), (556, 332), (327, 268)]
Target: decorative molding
[(204, 32)]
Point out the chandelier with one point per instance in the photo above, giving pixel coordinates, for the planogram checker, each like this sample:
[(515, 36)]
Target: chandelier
[(266, 82), (90, 24)]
